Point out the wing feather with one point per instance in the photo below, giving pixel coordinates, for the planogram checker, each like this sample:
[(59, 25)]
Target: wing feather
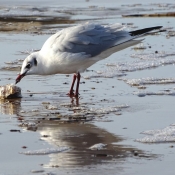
[(91, 39)]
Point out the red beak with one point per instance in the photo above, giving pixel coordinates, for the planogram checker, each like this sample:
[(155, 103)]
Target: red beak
[(18, 79)]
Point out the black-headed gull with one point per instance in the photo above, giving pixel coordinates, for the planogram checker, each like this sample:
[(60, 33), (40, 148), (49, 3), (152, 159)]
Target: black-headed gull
[(74, 49)]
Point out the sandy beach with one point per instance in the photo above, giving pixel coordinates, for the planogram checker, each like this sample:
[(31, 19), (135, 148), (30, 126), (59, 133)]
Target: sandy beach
[(122, 123)]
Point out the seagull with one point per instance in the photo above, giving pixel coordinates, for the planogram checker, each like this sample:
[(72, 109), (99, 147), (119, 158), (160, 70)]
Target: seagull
[(72, 50)]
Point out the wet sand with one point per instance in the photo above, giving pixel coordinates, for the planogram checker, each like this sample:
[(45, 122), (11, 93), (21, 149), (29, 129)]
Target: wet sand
[(46, 132)]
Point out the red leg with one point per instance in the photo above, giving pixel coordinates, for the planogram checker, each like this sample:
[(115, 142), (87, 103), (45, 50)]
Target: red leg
[(78, 82), (72, 86)]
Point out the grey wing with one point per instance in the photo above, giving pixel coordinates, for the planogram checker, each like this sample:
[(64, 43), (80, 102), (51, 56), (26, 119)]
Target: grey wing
[(90, 39)]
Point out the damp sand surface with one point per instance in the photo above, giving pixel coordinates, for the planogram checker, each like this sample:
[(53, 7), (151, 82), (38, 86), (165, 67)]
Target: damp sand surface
[(123, 121)]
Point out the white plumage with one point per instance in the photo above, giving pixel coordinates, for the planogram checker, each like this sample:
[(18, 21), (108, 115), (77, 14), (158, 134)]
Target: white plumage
[(74, 49)]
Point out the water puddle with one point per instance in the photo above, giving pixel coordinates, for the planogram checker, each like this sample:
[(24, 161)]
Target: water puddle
[(45, 131)]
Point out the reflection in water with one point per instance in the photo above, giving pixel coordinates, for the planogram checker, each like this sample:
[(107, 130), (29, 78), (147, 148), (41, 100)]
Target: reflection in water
[(79, 137), (75, 101), (77, 134), (10, 106)]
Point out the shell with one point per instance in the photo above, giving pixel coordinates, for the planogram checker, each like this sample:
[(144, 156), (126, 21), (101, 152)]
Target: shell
[(10, 91)]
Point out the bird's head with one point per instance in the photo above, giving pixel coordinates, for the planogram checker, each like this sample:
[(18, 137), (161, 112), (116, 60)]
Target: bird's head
[(29, 66)]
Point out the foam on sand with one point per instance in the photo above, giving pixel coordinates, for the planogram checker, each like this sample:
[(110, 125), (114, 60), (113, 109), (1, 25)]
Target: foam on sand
[(159, 135), (45, 151), (148, 81)]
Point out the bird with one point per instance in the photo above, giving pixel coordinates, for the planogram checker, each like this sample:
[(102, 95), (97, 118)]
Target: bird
[(74, 49)]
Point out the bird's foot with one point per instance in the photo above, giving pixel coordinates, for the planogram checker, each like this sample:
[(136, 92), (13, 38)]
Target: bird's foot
[(76, 95), (71, 94)]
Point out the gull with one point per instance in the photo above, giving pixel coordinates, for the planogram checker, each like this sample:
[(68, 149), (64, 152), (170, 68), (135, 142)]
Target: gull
[(72, 50)]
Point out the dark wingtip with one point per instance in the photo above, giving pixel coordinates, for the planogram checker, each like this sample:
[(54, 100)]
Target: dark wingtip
[(145, 30)]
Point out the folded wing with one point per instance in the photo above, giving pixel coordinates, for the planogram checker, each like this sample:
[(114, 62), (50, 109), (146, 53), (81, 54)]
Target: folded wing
[(89, 38)]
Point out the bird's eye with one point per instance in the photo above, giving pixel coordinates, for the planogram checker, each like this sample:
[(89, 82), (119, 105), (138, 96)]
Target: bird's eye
[(35, 61), (28, 66)]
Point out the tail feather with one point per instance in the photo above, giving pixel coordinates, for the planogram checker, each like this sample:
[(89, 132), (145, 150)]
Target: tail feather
[(144, 31)]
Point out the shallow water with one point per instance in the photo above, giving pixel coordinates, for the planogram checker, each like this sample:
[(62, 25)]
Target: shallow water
[(109, 110)]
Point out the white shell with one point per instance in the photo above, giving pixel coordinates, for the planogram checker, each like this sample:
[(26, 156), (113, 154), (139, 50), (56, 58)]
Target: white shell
[(10, 91)]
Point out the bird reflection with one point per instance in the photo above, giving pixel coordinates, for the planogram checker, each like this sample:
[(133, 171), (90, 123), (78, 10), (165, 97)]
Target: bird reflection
[(75, 101), (79, 135)]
